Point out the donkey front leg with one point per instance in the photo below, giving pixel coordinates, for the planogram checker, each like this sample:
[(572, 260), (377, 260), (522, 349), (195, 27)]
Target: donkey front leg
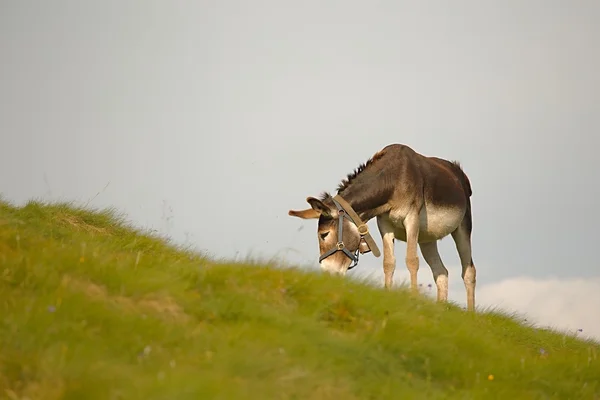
[(389, 259), (411, 226)]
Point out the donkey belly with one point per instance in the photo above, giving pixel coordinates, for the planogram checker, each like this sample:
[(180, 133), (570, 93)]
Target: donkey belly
[(435, 223)]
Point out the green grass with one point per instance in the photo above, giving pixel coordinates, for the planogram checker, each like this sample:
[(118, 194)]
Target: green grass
[(92, 309)]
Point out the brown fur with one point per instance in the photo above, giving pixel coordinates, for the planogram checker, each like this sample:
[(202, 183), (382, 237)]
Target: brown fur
[(416, 199)]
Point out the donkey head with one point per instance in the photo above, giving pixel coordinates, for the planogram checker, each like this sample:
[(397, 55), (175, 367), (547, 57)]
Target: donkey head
[(336, 253)]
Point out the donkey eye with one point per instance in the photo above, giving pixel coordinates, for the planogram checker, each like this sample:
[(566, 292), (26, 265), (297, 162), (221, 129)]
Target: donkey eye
[(323, 235)]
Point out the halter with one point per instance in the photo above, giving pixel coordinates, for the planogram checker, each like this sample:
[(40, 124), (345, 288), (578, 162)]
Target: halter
[(363, 230)]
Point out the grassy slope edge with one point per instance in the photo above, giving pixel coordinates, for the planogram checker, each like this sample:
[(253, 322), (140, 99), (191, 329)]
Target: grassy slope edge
[(94, 309)]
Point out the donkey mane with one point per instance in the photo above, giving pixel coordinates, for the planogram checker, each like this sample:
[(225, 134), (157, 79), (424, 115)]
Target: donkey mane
[(351, 176)]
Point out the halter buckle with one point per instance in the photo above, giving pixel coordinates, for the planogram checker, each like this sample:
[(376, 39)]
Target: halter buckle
[(363, 229)]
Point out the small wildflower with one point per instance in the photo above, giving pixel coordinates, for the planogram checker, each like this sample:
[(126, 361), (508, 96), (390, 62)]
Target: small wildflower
[(81, 259), (147, 350), (490, 377), (51, 309)]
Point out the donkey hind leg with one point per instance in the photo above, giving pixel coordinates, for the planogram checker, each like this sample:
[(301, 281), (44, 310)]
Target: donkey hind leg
[(440, 273), (389, 259), (462, 239), (411, 226)]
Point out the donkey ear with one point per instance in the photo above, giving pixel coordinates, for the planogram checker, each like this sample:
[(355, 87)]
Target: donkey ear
[(317, 209), (319, 206), (309, 213)]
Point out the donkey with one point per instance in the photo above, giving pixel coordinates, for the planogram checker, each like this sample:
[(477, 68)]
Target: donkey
[(415, 198)]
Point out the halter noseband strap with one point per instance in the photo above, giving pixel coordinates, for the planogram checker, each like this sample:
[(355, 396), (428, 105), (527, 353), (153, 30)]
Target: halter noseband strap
[(346, 211)]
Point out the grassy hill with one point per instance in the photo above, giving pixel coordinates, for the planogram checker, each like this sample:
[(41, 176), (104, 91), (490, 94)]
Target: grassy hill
[(92, 309)]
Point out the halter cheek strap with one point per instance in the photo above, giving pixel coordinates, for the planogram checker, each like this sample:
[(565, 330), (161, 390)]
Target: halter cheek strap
[(346, 211), (340, 244), (363, 229)]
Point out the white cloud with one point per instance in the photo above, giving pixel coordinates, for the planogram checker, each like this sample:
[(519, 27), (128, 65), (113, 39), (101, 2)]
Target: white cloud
[(563, 304)]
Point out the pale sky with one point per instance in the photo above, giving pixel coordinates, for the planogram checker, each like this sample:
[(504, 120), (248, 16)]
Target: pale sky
[(209, 120)]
